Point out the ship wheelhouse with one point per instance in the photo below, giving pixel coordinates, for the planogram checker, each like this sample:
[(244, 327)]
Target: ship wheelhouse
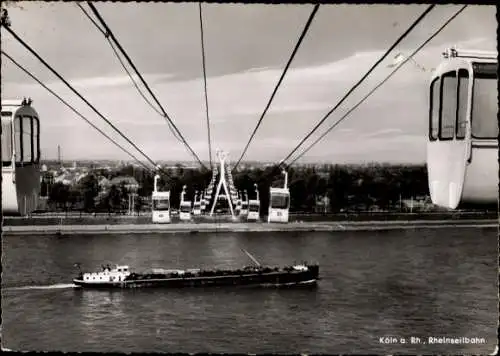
[(108, 274)]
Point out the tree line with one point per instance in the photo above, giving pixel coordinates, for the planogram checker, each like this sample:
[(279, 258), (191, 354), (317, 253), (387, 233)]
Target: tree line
[(347, 187)]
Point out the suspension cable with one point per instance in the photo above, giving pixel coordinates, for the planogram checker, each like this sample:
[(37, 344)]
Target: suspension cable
[(134, 82), (32, 51), (117, 55), (73, 109), (381, 83), (417, 21), (165, 115), (91, 19), (205, 84), (296, 48)]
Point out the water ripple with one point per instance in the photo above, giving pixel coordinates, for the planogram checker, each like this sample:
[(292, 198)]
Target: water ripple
[(374, 284)]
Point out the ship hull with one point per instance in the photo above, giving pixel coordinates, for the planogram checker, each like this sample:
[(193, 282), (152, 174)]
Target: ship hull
[(276, 279)]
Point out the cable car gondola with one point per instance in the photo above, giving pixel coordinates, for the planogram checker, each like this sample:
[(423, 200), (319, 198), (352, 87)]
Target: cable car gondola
[(185, 207), (279, 203), (254, 206), (197, 204), (20, 157), (161, 204), (462, 149)]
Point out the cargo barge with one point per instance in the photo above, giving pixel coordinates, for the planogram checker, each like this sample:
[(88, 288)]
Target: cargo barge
[(121, 277)]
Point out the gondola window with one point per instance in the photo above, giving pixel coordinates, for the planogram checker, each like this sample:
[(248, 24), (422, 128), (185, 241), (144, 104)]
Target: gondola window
[(448, 106), (161, 204), (280, 201), (36, 140), (463, 94), (6, 140), (434, 119), (27, 140), (485, 101), (18, 140)]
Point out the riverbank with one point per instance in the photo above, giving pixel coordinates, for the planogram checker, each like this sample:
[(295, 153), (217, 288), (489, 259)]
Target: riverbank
[(194, 228), (75, 218)]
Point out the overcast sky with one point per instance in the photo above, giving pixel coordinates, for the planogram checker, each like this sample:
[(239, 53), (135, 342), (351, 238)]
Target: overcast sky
[(247, 47)]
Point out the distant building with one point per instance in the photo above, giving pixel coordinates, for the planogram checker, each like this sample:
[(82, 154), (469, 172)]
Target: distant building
[(69, 177), (130, 183), (46, 180), (417, 203), (64, 178), (323, 174), (104, 183)]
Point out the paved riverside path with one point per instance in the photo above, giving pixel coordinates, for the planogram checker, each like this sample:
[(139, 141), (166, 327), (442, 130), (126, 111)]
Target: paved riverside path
[(193, 228)]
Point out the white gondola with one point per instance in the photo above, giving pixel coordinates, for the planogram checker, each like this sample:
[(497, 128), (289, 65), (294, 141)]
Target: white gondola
[(279, 203), (203, 202), (207, 197), (20, 157), (254, 206), (244, 204), (237, 205), (196, 205), (462, 152), (185, 207), (160, 204)]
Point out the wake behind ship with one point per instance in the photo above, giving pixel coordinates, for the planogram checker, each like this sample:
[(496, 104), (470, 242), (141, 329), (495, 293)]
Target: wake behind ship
[(121, 277)]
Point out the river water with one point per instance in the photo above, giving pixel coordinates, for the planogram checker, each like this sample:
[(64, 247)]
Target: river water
[(408, 283)]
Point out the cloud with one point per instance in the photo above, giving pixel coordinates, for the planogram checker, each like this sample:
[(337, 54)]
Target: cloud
[(243, 65), (384, 132), (236, 102), (391, 149), (116, 81)]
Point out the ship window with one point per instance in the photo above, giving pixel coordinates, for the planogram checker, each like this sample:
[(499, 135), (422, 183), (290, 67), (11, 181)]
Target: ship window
[(463, 93), (448, 106), (6, 140), (434, 110)]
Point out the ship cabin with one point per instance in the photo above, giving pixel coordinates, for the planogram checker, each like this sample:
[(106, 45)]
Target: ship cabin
[(108, 274), (301, 267)]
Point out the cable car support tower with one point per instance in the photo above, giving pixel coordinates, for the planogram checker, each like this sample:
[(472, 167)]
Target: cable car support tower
[(222, 156)]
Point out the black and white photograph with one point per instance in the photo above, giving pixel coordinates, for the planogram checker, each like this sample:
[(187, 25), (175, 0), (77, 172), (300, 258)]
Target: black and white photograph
[(252, 178)]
